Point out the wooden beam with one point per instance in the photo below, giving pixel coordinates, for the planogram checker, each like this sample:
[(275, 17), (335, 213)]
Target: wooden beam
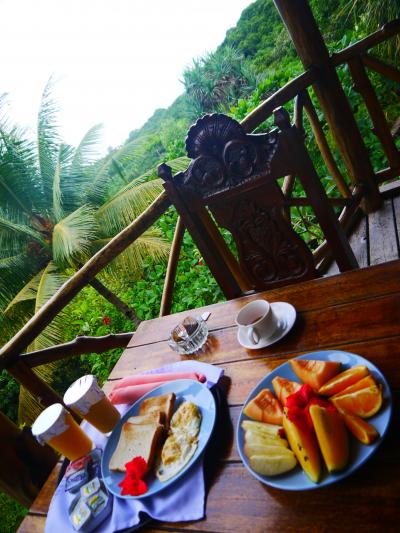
[(363, 86), (390, 29), (281, 97), (168, 291), (79, 346), (313, 52), (324, 147), (71, 288), (379, 66)]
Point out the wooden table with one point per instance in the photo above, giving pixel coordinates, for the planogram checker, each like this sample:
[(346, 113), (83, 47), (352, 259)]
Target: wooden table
[(357, 312)]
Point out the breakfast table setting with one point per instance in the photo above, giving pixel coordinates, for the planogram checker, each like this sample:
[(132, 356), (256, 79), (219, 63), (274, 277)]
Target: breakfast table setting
[(284, 416)]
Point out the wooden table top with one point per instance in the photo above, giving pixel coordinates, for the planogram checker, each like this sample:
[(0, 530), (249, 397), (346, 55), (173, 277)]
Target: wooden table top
[(357, 312)]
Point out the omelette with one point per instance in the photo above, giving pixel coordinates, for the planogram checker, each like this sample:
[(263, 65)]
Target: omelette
[(182, 441)]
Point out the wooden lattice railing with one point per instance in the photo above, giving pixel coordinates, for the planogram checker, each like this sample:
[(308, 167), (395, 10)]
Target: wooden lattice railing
[(363, 189)]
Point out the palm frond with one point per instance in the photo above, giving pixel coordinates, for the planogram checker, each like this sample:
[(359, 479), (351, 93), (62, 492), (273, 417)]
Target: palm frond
[(126, 158), (48, 140), (10, 223), (73, 235), (57, 199), (28, 292), (86, 151), (15, 272), (126, 205), (130, 262)]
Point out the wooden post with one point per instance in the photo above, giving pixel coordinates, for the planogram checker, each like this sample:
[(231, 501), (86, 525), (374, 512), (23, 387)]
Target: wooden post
[(168, 292), (25, 464), (312, 51)]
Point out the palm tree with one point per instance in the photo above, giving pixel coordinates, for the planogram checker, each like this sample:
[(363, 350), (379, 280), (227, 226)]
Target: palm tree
[(57, 208)]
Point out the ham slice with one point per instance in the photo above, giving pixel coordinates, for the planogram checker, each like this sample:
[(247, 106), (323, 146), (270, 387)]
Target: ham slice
[(142, 379), (131, 388), (131, 393)]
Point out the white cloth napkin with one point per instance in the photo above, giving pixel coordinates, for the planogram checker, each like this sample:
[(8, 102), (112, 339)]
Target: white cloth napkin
[(181, 501)]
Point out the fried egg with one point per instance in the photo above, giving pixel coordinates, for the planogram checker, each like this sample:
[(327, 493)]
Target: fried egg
[(181, 444)]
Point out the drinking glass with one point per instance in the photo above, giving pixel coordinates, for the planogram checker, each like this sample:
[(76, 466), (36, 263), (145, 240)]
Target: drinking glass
[(56, 427)]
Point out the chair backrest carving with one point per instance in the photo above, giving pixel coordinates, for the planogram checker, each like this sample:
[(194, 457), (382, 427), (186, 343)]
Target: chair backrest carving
[(232, 180)]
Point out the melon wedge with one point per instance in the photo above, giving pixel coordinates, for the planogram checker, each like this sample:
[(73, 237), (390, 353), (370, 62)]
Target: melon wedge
[(305, 447), (343, 380), (332, 437), (284, 388), (314, 372), (364, 432), (264, 408)]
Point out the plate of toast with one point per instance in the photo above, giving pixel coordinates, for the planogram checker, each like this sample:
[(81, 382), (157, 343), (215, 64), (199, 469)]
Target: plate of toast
[(169, 427)]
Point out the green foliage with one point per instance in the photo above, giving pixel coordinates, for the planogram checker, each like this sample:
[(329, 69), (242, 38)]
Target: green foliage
[(11, 514)]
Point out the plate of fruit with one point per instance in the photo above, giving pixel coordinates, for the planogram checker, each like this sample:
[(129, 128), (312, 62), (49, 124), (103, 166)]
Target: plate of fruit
[(314, 420)]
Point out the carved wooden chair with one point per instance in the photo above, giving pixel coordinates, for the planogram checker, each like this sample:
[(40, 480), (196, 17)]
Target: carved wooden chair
[(232, 183)]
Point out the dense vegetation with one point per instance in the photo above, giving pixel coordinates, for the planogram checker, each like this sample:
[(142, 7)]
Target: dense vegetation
[(255, 59)]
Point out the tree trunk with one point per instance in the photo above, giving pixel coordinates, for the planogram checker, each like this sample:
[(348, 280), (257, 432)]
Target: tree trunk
[(117, 302)]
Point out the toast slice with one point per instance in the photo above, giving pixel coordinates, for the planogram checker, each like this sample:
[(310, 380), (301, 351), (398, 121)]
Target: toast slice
[(136, 440), (159, 404), (150, 418)]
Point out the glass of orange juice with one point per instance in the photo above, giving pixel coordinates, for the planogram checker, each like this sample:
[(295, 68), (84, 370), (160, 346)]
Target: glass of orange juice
[(86, 398), (56, 427)]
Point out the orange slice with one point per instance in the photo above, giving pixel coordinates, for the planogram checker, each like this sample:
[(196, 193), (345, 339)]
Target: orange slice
[(313, 372), (264, 408), (364, 432), (364, 403), (343, 380), (284, 388), (363, 383)]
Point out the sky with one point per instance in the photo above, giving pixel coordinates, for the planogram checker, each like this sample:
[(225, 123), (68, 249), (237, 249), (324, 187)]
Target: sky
[(112, 61)]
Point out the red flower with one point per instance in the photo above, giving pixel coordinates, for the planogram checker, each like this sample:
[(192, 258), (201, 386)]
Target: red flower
[(106, 320), (201, 263), (132, 483)]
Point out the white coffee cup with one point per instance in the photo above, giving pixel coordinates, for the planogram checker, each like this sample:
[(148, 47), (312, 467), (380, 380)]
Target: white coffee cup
[(257, 320)]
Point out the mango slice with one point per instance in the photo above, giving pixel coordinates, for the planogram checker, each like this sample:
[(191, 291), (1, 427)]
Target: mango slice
[(332, 437), (305, 447)]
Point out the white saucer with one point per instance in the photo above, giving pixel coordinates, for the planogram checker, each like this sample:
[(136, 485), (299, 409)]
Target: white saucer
[(287, 317)]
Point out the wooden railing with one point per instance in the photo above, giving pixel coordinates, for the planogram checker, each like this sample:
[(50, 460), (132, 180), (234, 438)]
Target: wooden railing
[(360, 190)]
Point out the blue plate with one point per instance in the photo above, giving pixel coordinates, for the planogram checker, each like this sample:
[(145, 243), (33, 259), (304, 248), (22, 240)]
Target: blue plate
[(184, 389), (359, 453)]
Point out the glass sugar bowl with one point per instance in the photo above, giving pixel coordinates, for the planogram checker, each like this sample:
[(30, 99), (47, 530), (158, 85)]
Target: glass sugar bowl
[(189, 335)]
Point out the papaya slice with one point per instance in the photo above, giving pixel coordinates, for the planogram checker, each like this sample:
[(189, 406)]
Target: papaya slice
[(362, 430), (363, 383), (343, 380), (305, 447), (313, 372), (363, 403), (332, 436), (284, 388), (264, 408)]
